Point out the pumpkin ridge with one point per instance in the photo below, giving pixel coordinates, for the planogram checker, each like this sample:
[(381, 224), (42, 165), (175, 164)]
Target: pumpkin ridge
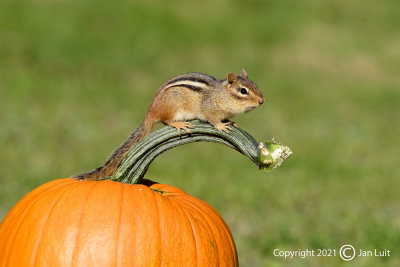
[(119, 224), (37, 242), (183, 213), (73, 254), (160, 224), (188, 216), (21, 217), (199, 204), (202, 213), (227, 232), (207, 220)]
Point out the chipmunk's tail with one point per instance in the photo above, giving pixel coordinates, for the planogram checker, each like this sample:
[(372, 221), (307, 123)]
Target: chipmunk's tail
[(116, 157)]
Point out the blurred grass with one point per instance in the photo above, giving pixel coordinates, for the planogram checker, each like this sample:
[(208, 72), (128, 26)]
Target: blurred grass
[(76, 77)]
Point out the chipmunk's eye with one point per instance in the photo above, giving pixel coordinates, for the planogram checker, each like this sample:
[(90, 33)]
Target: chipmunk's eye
[(243, 91)]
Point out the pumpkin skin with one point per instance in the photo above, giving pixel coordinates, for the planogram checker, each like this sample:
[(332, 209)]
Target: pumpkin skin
[(67, 222)]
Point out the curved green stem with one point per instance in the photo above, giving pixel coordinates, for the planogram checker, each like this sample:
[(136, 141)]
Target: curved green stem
[(133, 167)]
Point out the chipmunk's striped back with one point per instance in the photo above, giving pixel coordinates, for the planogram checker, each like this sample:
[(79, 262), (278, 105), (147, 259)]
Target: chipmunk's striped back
[(195, 81)]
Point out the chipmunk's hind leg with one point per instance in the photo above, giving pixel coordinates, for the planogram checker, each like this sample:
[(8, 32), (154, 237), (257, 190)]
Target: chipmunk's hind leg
[(181, 125)]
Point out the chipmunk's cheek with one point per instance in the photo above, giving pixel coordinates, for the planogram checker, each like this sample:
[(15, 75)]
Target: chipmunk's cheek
[(257, 105), (250, 108)]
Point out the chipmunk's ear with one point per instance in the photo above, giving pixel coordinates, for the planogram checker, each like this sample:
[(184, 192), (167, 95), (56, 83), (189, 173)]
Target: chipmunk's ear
[(232, 78), (244, 74)]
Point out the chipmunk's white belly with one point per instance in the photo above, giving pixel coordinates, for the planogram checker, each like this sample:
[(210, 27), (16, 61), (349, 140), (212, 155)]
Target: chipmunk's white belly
[(183, 115)]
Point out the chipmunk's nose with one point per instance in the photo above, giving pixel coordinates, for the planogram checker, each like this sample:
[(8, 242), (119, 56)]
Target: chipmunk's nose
[(261, 101)]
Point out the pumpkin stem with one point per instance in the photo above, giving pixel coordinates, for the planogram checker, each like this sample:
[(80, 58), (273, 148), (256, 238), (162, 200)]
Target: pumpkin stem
[(266, 155)]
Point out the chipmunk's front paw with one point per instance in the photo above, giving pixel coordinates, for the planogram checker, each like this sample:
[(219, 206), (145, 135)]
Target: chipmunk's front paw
[(223, 127), (232, 123)]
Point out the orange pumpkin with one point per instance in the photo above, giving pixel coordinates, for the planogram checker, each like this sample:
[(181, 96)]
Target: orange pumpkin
[(125, 221), (68, 222)]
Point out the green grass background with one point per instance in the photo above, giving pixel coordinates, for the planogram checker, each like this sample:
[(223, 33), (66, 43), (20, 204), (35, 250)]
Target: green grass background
[(76, 77)]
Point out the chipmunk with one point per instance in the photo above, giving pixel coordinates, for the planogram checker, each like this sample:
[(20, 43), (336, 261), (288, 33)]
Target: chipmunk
[(186, 97)]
